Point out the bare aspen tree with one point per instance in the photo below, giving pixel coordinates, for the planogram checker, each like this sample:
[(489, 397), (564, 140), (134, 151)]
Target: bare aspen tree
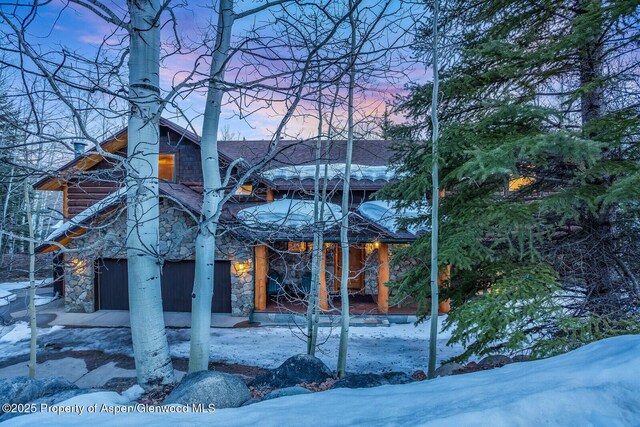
[(32, 285), (435, 201), (153, 363), (344, 225), (212, 184), (212, 193), (296, 77)]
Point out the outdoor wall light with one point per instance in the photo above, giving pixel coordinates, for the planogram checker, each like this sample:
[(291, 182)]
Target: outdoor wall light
[(242, 266), (370, 247), (79, 266)]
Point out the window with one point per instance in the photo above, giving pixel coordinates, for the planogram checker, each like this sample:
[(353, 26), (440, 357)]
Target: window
[(297, 246), (244, 190), (167, 167)]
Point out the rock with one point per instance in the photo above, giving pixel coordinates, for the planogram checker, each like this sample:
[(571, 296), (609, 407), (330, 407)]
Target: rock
[(287, 391), (361, 381), (25, 389), (495, 361), (520, 358), (51, 400), (296, 370), (448, 369), (419, 375), (397, 378), (206, 387)]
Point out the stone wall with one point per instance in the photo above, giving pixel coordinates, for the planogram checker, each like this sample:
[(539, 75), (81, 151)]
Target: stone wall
[(242, 281), (398, 269), (177, 242), (370, 270)]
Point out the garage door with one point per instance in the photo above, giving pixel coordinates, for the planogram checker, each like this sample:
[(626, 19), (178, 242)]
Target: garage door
[(177, 284)]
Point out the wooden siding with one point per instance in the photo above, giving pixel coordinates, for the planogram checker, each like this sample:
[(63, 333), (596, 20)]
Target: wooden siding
[(82, 194), (88, 187)]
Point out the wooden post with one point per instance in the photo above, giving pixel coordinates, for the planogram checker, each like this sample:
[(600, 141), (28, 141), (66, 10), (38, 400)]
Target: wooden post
[(65, 202), (269, 195), (444, 306), (383, 277), (324, 296), (261, 277)]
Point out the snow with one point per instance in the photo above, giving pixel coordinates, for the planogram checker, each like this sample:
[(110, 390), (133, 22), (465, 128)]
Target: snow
[(288, 213), (385, 214), (133, 393), (42, 300), (20, 331), (6, 296), (335, 171), (371, 349), (10, 286), (596, 385), (88, 213)]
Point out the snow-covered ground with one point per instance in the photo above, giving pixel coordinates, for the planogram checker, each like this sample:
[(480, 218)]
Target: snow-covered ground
[(8, 291), (371, 349), (596, 385), (10, 286)]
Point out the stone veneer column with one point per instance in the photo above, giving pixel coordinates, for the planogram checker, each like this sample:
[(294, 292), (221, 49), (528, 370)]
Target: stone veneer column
[(78, 282)]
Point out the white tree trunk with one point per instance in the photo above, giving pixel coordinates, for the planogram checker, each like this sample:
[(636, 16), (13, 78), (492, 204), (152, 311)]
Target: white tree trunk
[(313, 304), (435, 201), (151, 350), (32, 285), (344, 226), (212, 195), (5, 208)]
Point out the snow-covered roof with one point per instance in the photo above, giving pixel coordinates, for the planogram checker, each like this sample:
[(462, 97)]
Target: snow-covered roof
[(88, 213), (287, 213), (386, 215), (335, 171)]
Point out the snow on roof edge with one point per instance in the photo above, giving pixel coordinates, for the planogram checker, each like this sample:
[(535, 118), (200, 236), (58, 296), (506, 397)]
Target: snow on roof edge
[(88, 213)]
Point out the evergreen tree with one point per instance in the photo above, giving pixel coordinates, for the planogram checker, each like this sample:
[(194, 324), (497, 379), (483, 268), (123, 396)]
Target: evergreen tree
[(539, 117)]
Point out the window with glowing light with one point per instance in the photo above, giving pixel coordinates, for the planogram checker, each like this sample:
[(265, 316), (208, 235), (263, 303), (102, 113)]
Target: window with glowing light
[(244, 190), (167, 167)]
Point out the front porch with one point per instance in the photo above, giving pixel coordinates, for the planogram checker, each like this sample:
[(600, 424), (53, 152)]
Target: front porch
[(283, 279)]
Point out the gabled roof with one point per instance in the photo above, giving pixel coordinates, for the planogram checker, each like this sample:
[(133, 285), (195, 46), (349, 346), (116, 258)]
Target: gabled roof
[(92, 157), (375, 153)]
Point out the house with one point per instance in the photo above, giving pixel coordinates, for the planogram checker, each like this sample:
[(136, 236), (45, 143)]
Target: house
[(263, 253)]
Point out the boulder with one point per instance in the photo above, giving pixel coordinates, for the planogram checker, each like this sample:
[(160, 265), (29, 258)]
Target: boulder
[(25, 389), (520, 358), (296, 370), (447, 369), (210, 387), (494, 361), (361, 381), (397, 378), (419, 375), (287, 391)]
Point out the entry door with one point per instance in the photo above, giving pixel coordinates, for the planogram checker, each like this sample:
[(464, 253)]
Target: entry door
[(356, 268)]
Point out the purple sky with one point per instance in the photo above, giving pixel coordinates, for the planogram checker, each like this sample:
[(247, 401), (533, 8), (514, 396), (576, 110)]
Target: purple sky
[(60, 25)]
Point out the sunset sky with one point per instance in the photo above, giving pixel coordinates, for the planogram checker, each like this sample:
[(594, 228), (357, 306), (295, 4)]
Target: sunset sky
[(60, 25)]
